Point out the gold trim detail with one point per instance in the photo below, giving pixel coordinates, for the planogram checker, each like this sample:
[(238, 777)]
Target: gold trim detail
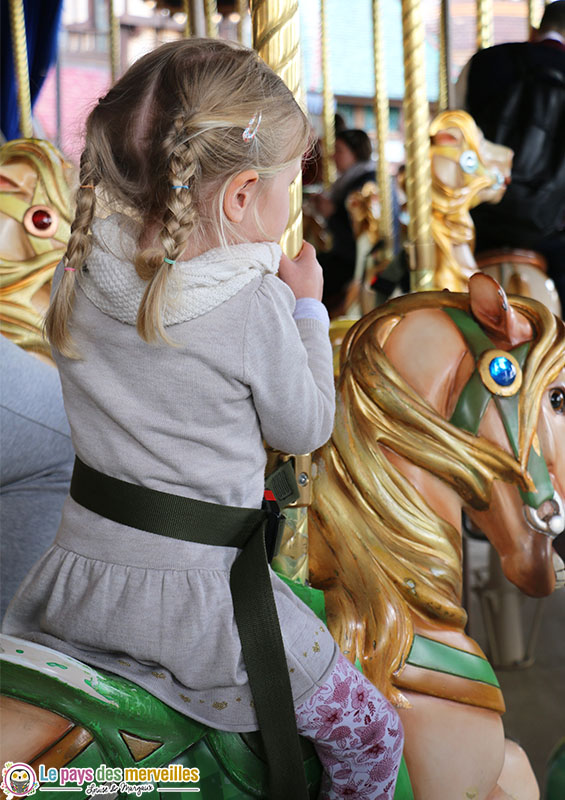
[(450, 687), (483, 365), (138, 747)]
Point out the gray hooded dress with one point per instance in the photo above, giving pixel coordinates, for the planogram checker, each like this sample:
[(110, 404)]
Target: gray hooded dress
[(188, 419)]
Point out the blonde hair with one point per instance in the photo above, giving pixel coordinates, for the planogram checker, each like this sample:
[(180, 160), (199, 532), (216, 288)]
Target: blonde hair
[(176, 118)]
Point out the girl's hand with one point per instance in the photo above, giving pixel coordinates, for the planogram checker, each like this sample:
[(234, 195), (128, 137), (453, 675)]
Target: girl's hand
[(303, 274)]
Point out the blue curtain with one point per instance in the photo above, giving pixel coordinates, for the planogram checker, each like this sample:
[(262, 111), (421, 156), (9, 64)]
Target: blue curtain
[(42, 19)]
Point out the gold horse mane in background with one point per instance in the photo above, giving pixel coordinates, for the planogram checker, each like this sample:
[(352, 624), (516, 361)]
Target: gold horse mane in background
[(34, 229)]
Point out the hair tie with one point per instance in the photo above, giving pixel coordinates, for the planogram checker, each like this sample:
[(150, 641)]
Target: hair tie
[(70, 269), (252, 127), (182, 186), (87, 186), (170, 261)]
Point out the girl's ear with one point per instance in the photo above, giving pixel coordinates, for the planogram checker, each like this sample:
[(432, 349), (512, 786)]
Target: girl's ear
[(239, 194)]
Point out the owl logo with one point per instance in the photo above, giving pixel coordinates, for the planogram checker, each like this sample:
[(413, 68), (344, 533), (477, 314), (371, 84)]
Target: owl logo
[(18, 780)]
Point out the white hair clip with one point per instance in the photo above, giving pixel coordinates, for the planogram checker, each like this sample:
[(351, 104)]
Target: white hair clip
[(252, 127)]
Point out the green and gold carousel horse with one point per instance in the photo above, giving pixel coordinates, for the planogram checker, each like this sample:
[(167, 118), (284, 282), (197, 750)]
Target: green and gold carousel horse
[(445, 401)]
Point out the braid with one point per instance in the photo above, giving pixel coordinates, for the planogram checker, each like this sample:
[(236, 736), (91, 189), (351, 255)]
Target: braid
[(78, 248), (180, 219)]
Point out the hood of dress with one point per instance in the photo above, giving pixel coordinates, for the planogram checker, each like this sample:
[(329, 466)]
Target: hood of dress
[(195, 287)]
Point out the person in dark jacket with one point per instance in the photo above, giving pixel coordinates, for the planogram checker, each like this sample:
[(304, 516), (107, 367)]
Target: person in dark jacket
[(353, 162), (516, 93)]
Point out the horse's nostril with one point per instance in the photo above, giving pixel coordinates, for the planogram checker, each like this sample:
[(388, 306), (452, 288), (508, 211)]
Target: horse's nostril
[(549, 518), (548, 509), (550, 513)]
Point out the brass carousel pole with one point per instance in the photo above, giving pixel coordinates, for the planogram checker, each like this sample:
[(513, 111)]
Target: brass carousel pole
[(382, 126), (485, 36), (197, 18), (445, 88), (420, 247), (242, 9), (276, 37), (328, 165), (114, 25), (188, 18), (211, 10), (534, 15), (21, 67)]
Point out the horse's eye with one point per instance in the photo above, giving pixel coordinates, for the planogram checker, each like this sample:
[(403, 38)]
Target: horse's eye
[(41, 221), (557, 400)]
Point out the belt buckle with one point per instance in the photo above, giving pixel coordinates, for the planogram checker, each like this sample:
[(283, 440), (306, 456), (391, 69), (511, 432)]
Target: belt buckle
[(274, 526)]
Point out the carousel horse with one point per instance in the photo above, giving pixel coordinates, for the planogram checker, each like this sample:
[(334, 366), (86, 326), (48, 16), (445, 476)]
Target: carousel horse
[(417, 440), (35, 219), (364, 208), (466, 170)]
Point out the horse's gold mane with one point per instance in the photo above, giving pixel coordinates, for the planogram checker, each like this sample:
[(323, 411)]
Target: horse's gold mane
[(378, 550)]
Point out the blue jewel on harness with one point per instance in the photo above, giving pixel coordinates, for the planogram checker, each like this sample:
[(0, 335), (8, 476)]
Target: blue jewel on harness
[(502, 371)]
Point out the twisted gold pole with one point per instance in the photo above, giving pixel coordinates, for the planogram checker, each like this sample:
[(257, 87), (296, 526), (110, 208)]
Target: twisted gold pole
[(328, 165), (242, 9), (443, 99), (382, 125), (417, 142), (534, 15), (485, 36), (21, 68), (211, 9), (114, 25), (188, 18), (276, 37)]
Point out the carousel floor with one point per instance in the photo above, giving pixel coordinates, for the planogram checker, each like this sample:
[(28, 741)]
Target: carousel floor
[(535, 695)]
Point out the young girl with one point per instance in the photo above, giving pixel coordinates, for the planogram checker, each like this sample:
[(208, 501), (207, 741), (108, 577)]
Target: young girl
[(178, 355)]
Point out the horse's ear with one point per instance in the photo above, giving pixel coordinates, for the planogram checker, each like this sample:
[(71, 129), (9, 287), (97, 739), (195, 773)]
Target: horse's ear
[(446, 138), (492, 310)]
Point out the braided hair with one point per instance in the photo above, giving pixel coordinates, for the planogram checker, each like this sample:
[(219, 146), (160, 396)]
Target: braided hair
[(162, 146)]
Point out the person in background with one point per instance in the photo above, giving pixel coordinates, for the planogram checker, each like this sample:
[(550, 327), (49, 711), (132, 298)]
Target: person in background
[(36, 464), (353, 161), (516, 93)]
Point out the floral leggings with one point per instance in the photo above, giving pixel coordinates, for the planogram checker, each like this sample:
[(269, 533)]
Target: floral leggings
[(357, 734)]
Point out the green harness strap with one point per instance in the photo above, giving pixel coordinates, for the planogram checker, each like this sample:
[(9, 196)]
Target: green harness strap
[(429, 654), (256, 617), (475, 397)]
